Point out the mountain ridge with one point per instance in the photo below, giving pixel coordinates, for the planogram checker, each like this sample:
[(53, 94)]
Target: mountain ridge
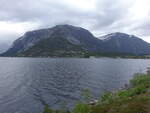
[(75, 37)]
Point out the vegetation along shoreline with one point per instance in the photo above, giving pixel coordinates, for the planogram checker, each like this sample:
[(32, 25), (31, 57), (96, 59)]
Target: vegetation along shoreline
[(133, 98)]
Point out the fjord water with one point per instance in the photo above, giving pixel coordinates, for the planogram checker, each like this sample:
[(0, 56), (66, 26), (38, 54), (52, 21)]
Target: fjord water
[(27, 84)]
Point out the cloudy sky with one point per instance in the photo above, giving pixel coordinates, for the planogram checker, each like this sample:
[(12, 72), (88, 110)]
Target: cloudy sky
[(98, 16)]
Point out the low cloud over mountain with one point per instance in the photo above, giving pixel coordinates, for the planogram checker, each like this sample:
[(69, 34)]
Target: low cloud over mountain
[(98, 16)]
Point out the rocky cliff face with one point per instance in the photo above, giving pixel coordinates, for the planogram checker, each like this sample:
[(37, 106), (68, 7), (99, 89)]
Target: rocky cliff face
[(74, 35), (67, 38)]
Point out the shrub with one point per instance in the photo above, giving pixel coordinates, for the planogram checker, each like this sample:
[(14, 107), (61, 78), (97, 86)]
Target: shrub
[(140, 79), (132, 91), (82, 108), (47, 110), (108, 97)]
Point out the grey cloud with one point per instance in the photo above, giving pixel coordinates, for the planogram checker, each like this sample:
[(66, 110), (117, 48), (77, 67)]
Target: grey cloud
[(112, 12), (108, 16)]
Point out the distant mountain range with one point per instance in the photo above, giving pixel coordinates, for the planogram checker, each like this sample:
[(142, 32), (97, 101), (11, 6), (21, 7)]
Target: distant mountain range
[(67, 40)]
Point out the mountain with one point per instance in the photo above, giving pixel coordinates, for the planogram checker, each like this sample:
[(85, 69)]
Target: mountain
[(124, 43), (67, 40), (54, 41)]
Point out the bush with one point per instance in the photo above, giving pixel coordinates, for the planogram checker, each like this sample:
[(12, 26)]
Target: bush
[(108, 97), (82, 108), (47, 110), (132, 91), (140, 79)]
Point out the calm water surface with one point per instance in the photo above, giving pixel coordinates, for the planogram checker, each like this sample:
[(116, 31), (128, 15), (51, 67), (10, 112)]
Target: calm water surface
[(26, 84)]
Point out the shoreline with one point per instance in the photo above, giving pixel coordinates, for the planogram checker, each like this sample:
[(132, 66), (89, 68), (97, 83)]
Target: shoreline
[(82, 57), (132, 98)]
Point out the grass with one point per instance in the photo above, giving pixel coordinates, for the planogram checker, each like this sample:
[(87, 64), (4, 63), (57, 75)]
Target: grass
[(135, 99), (136, 104)]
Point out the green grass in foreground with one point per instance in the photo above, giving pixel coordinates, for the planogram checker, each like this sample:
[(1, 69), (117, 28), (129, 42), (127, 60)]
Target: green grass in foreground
[(135, 99)]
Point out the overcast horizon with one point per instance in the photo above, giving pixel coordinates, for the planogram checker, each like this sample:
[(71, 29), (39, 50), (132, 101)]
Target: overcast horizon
[(98, 16)]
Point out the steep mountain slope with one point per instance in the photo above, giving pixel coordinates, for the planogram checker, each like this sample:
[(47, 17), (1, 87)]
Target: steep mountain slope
[(55, 47), (74, 35), (67, 40), (124, 43)]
